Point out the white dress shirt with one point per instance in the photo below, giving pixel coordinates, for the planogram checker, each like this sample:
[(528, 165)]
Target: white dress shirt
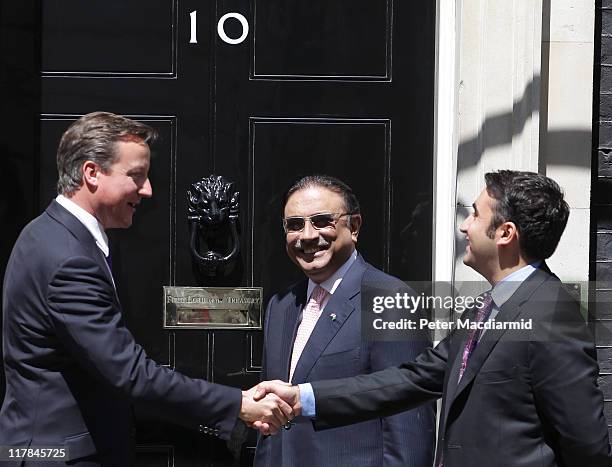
[(90, 222)]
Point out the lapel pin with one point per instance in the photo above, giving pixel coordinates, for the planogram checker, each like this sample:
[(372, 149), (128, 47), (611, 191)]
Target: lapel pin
[(333, 316)]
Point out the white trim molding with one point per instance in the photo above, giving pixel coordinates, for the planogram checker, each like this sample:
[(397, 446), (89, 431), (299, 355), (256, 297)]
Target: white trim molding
[(445, 139)]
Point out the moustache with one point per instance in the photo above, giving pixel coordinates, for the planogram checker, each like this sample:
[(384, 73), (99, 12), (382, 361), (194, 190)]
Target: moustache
[(321, 243)]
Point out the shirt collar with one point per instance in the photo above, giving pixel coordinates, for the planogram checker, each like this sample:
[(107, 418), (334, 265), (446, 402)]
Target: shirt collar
[(88, 220), (505, 288), (333, 282)]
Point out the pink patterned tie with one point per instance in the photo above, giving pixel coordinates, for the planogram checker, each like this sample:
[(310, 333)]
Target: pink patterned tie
[(310, 316), (482, 314)]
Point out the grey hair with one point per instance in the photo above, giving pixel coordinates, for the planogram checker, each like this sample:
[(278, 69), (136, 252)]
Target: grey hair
[(351, 204)]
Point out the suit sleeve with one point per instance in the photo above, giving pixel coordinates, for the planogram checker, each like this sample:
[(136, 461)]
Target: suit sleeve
[(87, 320), (408, 437), (383, 393), (564, 369)]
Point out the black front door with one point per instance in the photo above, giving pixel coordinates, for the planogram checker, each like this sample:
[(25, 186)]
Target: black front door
[(257, 91)]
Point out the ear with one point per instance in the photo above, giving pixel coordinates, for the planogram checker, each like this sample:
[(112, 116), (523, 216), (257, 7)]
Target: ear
[(91, 171), (507, 233), (355, 226)]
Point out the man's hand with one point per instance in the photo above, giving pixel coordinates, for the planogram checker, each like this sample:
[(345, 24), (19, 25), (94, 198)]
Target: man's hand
[(287, 392), (268, 409), (290, 394)]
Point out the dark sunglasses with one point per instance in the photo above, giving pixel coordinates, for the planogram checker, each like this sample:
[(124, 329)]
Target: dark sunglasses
[(318, 221)]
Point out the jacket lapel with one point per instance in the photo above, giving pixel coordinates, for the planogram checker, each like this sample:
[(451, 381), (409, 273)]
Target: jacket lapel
[(457, 345), (291, 323), (341, 303), (508, 312), (80, 232)]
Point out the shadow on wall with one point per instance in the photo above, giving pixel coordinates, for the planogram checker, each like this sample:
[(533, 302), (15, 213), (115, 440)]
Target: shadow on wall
[(499, 130), (570, 147)]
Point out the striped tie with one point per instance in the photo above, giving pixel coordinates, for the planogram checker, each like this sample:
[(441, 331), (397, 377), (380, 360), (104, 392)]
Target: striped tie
[(310, 316)]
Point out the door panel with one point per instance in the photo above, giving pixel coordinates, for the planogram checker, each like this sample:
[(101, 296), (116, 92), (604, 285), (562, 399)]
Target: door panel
[(100, 38), (342, 39), (337, 87)]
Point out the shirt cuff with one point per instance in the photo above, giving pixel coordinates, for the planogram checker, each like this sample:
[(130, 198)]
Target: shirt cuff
[(307, 400)]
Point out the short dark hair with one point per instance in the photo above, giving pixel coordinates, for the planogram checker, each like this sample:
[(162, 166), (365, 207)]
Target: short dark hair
[(351, 204), (92, 138), (534, 203)]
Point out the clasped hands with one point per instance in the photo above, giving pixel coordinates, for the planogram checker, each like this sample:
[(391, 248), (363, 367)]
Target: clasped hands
[(270, 405)]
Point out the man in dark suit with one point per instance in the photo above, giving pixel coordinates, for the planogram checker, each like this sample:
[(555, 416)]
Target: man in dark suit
[(72, 367), (522, 397), (322, 221)]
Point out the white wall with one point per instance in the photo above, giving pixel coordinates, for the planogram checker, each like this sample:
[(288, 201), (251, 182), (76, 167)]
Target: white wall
[(524, 94), (565, 150)]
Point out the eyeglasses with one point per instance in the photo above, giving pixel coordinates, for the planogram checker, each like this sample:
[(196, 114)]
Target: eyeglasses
[(318, 221)]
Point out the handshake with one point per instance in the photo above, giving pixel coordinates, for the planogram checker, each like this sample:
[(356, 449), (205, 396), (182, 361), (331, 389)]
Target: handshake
[(270, 405)]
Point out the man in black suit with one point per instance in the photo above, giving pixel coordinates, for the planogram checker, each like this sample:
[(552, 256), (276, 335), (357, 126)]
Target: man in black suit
[(528, 397), (72, 367), (322, 220)]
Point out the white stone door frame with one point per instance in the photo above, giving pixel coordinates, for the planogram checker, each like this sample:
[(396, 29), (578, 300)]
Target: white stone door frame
[(445, 139)]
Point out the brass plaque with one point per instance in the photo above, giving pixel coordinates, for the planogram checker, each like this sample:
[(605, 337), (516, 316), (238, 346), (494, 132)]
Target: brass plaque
[(212, 307)]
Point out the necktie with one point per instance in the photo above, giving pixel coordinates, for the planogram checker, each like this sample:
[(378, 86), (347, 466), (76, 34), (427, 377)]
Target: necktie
[(109, 261), (310, 316), (481, 315)]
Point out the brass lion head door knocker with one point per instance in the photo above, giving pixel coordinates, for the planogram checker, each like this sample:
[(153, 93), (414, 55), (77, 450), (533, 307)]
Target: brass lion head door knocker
[(212, 213)]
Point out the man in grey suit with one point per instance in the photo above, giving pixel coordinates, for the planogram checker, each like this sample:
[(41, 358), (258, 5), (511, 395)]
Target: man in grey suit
[(72, 367), (322, 219), (528, 397)]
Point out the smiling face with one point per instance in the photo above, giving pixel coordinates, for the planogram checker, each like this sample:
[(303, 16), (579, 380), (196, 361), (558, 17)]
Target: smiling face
[(481, 252), (319, 253), (123, 185)]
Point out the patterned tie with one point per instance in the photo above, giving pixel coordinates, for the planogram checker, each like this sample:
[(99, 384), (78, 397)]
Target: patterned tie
[(481, 315), (310, 316)]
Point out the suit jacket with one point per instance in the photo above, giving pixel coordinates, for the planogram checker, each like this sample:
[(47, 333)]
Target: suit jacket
[(72, 367), (527, 398), (336, 348)]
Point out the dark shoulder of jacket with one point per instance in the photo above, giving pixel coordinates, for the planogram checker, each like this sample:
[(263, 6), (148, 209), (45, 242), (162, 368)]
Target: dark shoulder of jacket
[(564, 299), (378, 279), (292, 291)]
